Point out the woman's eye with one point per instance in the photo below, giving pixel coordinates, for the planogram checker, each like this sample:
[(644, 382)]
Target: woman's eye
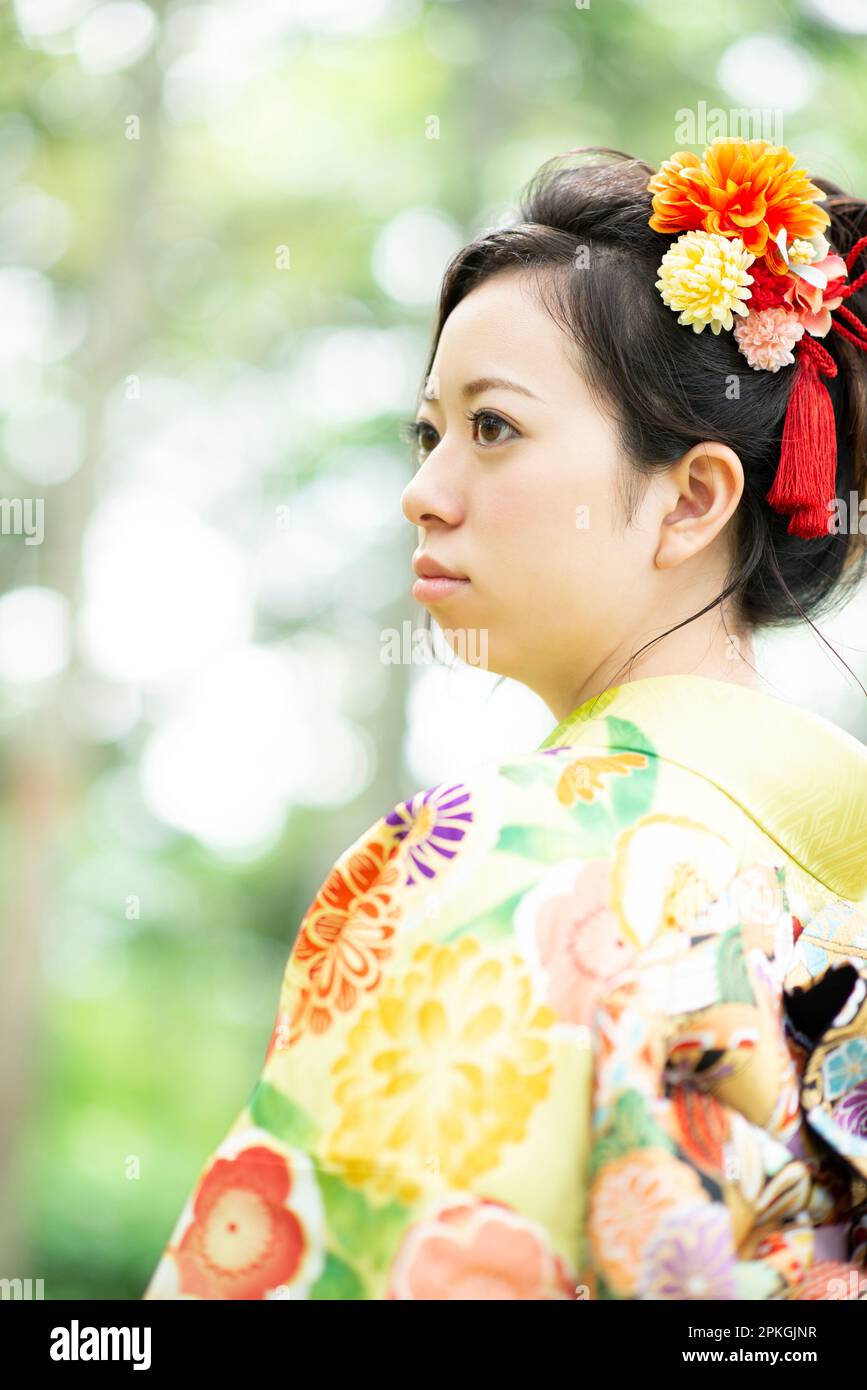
[(417, 433), (489, 423), (426, 437), (487, 430)]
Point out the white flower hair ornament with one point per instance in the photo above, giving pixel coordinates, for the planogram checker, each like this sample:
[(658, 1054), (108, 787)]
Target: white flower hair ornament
[(751, 256)]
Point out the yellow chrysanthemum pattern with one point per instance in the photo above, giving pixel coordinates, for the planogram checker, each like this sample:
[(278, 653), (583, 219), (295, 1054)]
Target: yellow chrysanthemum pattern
[(443, 1070)]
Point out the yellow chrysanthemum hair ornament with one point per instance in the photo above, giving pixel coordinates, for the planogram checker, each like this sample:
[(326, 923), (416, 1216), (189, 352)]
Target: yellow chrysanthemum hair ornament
[(751, 256)]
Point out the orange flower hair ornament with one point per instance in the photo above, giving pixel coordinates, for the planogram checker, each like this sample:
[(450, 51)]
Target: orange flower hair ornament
[(751, 243)]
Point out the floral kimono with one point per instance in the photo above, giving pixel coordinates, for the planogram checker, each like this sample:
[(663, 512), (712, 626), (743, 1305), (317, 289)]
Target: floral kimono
[(589, 1024)]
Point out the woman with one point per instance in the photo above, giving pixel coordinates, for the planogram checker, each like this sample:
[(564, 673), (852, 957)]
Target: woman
[(593, 1022)]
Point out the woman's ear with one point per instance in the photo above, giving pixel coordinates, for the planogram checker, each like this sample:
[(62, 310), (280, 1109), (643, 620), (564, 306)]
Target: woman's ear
[(699, 495)]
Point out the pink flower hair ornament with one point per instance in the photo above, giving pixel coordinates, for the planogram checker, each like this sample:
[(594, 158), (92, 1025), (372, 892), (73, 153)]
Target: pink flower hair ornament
[(751, 256)]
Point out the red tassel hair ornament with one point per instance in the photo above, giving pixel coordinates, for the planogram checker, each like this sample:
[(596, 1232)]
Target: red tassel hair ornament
[(804, 485)]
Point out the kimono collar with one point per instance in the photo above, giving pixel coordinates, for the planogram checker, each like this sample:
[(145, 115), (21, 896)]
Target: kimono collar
[(802, 779)]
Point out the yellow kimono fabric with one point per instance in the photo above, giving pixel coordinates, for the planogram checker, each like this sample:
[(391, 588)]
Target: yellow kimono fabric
[(590, 1024)]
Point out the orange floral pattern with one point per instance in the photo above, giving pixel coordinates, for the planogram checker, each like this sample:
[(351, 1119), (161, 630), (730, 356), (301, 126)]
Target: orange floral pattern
[(252, 1228), (582, 779), (342, 941), (746, 189), (478, 1250), (629, 1201)]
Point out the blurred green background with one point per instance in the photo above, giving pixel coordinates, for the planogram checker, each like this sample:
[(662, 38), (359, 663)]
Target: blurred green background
[(222, 231)]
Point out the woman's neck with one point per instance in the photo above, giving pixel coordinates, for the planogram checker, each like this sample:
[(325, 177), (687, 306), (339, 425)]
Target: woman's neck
[(704, 647)]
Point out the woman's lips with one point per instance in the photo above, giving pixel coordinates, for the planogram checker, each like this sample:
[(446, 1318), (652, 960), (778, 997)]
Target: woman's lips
[(437, 588)]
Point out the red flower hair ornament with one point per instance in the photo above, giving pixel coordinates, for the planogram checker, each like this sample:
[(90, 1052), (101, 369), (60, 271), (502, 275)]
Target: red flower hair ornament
[(751, 256)]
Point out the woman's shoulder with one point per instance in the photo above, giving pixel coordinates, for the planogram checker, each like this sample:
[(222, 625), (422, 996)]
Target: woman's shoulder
[(660, 839)]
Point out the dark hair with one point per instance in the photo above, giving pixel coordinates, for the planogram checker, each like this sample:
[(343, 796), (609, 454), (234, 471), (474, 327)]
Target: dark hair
[(665, 385)]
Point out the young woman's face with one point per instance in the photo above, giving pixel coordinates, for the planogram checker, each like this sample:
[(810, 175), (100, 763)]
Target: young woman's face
[(522, 500)]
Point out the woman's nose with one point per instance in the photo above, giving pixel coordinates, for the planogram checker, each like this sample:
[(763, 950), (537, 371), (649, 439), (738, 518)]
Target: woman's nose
[(429, 497)]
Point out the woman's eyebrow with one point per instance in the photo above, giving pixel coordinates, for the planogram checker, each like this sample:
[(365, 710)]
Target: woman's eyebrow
[(489, 383), (482, 383)]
